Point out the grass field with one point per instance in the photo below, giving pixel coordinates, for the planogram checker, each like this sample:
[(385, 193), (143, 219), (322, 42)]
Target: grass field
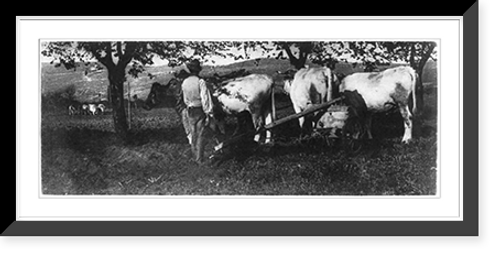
[(81, 155)]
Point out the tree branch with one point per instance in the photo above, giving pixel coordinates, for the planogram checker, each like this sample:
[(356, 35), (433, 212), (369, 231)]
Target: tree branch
[(430, 47), (95, 51), (119, 49), (289, 52), (412, 55), (108, 59), (125, 58)]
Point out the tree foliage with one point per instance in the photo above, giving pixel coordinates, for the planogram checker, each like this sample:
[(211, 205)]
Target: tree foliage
[(128, 57), (131, 57)]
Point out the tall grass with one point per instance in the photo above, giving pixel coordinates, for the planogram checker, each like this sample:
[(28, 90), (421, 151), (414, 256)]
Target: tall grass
[(82, 156)]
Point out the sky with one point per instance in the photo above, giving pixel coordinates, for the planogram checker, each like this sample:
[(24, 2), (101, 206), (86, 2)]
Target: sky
[(218, 60)]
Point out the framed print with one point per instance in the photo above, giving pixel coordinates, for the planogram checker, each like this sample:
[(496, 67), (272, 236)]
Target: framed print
[(109, 144)]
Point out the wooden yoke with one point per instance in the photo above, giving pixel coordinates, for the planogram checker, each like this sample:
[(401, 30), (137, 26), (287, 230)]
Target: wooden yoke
[(278, 122), (301, 114)]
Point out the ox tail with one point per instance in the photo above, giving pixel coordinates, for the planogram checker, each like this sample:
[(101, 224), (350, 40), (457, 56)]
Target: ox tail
[(329, 84), (415, 79)]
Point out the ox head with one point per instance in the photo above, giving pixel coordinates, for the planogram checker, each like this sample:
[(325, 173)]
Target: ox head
[(287, 79), (158, 92), (156, 95)]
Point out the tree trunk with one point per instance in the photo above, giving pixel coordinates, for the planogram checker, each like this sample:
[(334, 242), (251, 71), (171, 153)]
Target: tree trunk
[(116, 78), (299, 62), (419, 88), (427, 47), (419, 91)]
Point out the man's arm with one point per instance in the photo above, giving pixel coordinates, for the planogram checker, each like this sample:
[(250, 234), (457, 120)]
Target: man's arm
[(206, 98)]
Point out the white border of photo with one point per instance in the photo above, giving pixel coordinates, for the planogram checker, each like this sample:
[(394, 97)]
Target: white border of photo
[(445, 205)]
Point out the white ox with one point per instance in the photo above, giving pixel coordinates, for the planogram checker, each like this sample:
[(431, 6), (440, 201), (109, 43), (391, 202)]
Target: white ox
[(250, 93), (72, 110), (101, 107), (383, 91), (85, 109), (93, 109), (310, 86)]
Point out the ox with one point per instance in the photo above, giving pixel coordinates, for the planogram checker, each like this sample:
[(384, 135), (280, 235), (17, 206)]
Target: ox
[(250, 93), (308, 87), (159, 93), (72, 110), (383, 91), (101, 107), (85, 109), (91, 109)]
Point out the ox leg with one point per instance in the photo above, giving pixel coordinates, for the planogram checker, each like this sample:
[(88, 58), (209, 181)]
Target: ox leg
[(308, 125), (258, 123), (268, 119), (301, 119), (220, 125), (405, 113), (368, 125), (304, 121), (242, 125)]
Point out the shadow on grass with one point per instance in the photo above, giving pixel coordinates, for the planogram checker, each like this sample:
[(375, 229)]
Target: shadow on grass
[(78, 139), (88, 140), (156, 135), (387, 129)]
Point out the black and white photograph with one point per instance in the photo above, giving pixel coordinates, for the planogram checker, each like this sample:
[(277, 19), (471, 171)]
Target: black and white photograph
[(239, 117)]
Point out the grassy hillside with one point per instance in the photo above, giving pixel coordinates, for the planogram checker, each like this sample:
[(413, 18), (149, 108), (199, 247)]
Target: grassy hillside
[(93, 86), (81, 155)]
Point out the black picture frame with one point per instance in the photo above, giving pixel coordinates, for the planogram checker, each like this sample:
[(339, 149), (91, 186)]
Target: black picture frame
[(467, 226)]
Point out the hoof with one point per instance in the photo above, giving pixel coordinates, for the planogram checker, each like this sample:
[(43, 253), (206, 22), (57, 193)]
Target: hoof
[(406, 141)]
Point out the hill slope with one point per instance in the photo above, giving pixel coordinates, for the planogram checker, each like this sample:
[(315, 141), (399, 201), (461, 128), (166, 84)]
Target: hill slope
[(92, 86)]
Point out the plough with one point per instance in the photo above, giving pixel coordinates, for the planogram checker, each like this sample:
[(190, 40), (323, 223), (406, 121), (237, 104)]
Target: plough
[(332, 117)]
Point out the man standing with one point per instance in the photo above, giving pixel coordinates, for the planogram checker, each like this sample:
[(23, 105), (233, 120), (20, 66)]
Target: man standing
[(199, 106), (180, 106)]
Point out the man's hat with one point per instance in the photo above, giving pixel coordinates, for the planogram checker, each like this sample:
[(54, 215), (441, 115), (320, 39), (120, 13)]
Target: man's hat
[(194, 66)]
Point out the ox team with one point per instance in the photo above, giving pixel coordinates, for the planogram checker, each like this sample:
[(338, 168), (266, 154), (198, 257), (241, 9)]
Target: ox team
[(381, 92), (199, 107)]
